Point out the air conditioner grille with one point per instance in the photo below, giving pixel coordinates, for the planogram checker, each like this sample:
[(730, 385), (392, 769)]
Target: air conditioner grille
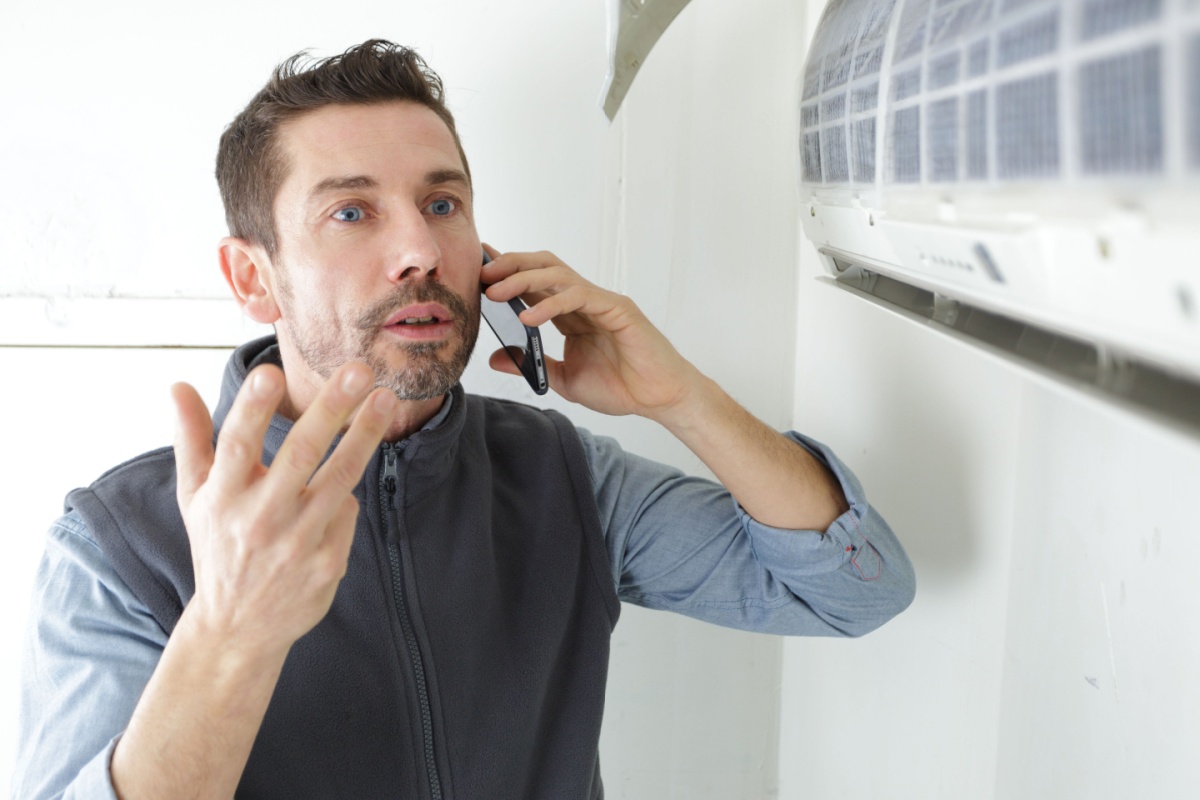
[(1001, 91), (1121, 113)]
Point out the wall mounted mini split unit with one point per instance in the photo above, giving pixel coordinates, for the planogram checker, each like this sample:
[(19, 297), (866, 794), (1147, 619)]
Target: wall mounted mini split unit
[(1023, 172)]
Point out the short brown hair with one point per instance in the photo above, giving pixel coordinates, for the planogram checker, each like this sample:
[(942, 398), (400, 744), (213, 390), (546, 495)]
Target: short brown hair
[(250, 165)]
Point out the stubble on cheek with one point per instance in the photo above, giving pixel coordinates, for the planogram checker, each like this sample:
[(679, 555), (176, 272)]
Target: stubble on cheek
[(321, 341)]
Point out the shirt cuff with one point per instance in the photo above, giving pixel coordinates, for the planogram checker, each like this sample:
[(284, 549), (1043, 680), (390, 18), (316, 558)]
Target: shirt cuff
[(94, 781), (812, 552)]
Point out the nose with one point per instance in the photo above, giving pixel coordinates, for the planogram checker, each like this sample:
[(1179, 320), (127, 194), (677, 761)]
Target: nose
[(415, 252)]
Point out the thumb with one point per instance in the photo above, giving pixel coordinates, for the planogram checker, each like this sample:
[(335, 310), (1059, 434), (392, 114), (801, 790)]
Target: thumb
[(501, 361), (193, 442)]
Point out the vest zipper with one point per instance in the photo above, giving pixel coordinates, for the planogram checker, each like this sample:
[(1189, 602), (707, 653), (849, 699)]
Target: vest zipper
[(391, 458)]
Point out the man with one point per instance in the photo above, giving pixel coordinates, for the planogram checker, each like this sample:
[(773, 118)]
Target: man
[(375, 585)]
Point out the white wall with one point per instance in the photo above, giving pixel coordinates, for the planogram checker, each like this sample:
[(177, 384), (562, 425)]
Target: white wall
[(110, 216), (1050, 650)]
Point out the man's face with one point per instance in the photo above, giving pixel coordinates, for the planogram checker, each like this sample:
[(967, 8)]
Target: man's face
[(378, 258)]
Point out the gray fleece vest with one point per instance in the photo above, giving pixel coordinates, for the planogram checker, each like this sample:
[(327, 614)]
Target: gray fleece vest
[(466, 652)]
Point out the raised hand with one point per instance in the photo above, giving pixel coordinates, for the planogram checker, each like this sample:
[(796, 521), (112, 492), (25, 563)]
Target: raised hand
[(614, 360), (270, 546)]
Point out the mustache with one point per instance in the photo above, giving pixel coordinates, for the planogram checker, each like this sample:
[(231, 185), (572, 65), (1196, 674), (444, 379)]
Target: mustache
[(406, 294)]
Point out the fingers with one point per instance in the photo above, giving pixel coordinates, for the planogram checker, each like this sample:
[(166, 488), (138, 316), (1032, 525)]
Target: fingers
[(556, 293), (505, 265), (193, 441), (501, 361), (606, 309), (532, 276), (342, 472), (237, 461), (312, 434), (239, 446)]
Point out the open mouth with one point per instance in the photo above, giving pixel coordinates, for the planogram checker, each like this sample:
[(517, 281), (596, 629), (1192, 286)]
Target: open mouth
[(424, 321), (409, 321), (417, 314)]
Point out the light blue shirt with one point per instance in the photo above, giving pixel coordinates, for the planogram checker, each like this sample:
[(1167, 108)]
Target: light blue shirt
[(675, 542)]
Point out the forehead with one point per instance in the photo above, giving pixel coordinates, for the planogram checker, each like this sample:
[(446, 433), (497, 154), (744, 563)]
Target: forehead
[(388, 141)]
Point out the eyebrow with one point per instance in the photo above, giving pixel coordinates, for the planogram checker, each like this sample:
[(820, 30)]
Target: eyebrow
[(447, 176), (343, 183)]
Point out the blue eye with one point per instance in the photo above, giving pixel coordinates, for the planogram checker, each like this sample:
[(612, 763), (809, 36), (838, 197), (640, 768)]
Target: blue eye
[(442, 208), (348, 214)]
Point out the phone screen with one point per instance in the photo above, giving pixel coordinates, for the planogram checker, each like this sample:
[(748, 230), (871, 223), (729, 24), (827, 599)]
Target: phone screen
[(523, 342)]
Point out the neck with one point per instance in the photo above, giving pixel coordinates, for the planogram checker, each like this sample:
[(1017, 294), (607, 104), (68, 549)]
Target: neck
[(411, 417)]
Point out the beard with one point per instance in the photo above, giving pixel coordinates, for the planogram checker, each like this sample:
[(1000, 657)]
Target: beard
[(325, 346)]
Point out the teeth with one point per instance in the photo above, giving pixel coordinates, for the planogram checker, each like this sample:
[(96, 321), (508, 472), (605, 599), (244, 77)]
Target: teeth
[(417, 320)]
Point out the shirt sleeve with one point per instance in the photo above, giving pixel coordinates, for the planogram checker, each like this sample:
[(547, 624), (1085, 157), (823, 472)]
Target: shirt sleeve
[(90, 648), (682, 543)]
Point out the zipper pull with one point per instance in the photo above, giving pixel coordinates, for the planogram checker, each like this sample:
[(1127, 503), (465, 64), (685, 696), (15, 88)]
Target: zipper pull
[(390, 471)]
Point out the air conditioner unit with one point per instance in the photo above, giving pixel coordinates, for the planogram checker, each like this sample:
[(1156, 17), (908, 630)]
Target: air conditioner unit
[(1026, 168)]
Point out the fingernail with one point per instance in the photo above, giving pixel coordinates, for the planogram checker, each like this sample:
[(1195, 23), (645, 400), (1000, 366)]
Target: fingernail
[(354, 381), (261, 384), (383, 402)]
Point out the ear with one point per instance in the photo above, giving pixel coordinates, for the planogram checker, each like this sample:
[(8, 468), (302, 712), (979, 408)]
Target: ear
[(247, 271)]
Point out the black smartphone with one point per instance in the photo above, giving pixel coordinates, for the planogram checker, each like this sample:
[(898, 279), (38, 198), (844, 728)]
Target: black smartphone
[(523, 343)]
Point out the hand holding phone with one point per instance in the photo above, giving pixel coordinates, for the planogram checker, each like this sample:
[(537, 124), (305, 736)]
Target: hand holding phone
[(522, 342)]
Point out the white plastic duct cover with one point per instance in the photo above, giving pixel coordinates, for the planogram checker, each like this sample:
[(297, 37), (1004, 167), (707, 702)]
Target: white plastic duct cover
[(634, 27)]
